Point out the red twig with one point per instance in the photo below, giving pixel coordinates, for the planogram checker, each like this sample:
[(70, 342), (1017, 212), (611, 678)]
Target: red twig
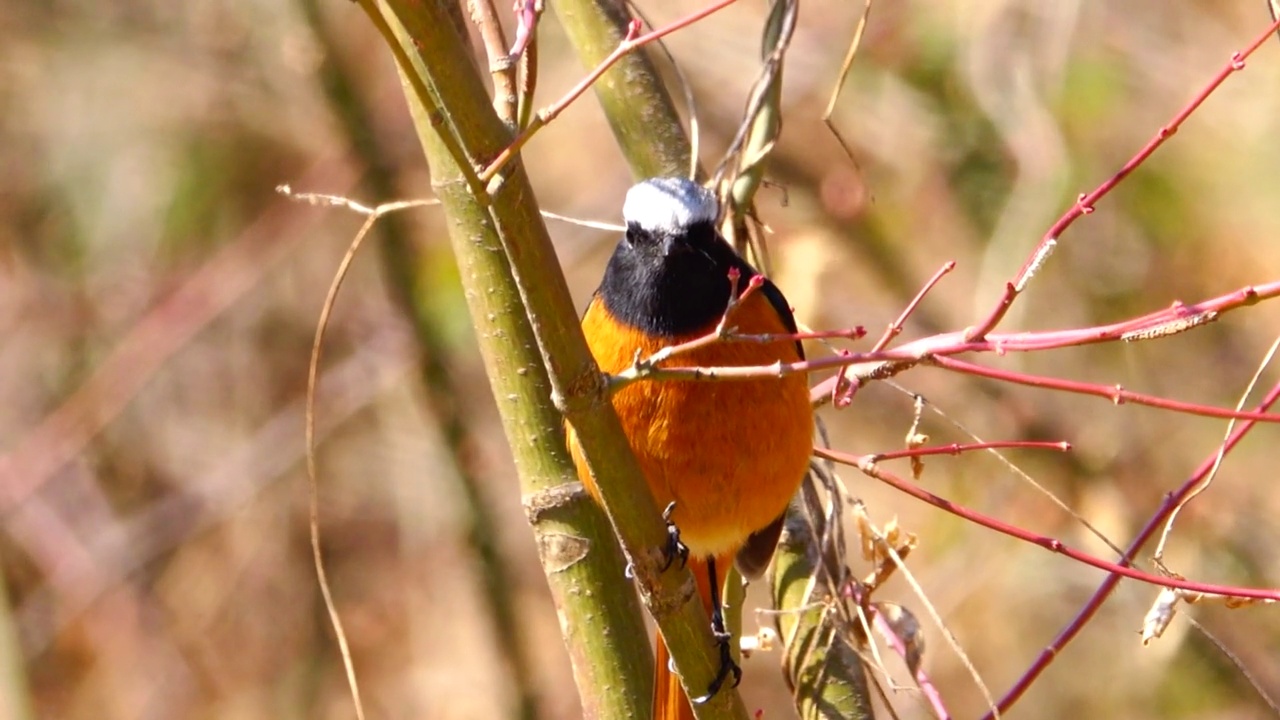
[(853, 333), (631, 41), (898, 360), (735, 300), (1090, 608), (918, 673), (952, 449), (648, 366), (1085, 202), (1116, 394), (1178, 317), (527, 14), (895, 328), (1057, 546), (845, 387), (937, 350), (646, 370)]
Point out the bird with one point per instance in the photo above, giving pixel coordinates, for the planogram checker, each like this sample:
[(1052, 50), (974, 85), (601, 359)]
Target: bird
[(725, 457)]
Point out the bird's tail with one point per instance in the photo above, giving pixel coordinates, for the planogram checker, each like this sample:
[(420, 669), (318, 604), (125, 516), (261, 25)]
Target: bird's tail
[(669, 699)]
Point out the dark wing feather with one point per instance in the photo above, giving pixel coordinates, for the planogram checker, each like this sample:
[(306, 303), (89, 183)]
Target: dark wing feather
[(754, 555), (780, 306)]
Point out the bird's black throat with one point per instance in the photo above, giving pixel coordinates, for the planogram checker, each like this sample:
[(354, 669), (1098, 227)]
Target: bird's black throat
[(671, 285)]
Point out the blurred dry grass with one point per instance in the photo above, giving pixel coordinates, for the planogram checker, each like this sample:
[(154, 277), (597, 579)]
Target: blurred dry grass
[(157, 300)]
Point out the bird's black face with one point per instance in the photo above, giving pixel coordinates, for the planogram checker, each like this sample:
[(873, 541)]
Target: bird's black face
[(671, 282)]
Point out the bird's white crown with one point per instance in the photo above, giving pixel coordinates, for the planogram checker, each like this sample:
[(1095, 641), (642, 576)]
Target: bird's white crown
[(668, 205)]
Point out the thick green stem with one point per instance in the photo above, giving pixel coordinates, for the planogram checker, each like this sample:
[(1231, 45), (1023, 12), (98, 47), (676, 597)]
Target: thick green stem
[(635, 101), (408, 273), (538, 362)]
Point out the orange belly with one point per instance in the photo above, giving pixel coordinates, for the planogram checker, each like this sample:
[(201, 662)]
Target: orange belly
[(730, 454)]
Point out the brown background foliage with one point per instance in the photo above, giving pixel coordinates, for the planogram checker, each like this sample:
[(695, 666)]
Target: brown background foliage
[(157, 299)]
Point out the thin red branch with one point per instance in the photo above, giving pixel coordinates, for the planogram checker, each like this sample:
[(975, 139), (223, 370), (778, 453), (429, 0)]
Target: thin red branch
[(1085, 203), (735, 300), (1116, 394), (1057, 546), (722, 331), (898, 360), (645, 371), (918, 672), (1090, 608), (936, 350), (895, 328), (845, 387), (631, 41), (853, 333), (952, 449), (528, 12), (1178, 317)]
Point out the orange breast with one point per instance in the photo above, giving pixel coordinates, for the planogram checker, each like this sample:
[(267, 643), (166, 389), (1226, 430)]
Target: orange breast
[(729, 453)]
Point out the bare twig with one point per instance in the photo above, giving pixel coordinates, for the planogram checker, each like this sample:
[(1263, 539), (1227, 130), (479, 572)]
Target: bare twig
[(845, 66), (1086, 201), (935, 351), (1104, 590), (1175, 318), (1115, 393), (632, 41), (895, 328), (502, 64), (313, 487), (1121, 569), (1200, 487), (952, 449), (1023, 475), (686, 89)]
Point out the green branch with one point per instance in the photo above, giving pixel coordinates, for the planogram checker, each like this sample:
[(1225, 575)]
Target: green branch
[(821, 658), (634, 99), (538, 363), (408, 272)]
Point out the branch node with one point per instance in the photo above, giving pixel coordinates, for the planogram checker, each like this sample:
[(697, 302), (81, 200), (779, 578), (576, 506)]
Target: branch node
[(1117, 395)]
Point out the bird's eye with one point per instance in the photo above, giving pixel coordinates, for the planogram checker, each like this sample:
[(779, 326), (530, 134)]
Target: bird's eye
[(634, 235)]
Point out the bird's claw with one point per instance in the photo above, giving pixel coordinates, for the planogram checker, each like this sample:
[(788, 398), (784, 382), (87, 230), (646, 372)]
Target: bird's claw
[(727, 667), (674, 547)]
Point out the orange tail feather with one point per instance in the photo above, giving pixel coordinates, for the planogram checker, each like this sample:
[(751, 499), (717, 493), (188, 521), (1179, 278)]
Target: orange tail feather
[(669, 699)]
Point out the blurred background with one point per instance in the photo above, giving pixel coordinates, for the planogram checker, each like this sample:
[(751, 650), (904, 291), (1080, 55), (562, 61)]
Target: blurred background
[(158, 298)]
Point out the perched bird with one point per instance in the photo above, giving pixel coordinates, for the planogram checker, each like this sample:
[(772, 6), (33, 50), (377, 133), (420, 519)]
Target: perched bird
[(725, 456)]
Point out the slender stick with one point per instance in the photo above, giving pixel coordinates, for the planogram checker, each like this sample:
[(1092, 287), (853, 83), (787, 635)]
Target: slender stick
[(632, 41), (1085, 203), (1117, 569), (1090, 608)]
